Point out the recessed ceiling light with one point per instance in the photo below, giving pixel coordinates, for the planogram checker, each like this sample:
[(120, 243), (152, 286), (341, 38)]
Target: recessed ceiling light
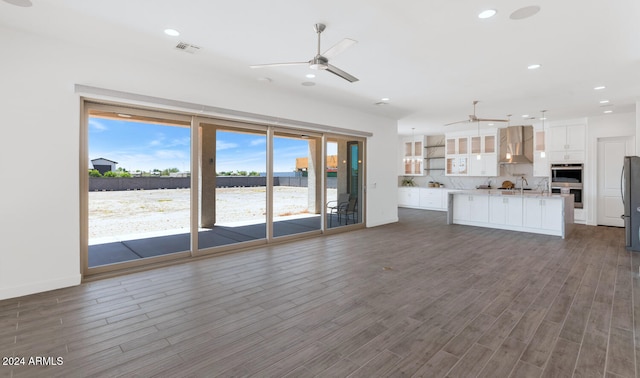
[(604, 101), (534, 66), (308, 83), (384, 99), (608, 111), (310, 76), (525, 12), (487, 13), (599, 88), (124, 115), (171, 32), (543, 118), (491, 124)]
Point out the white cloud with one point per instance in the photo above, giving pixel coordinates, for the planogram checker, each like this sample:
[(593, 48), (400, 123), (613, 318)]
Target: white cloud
[(180, 142), (160, 137), (258, 142), (222, 145), (170, 154), (97, 126)]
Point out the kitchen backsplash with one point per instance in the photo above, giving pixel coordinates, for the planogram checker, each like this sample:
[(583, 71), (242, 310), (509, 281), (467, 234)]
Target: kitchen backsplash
[(507, 173)]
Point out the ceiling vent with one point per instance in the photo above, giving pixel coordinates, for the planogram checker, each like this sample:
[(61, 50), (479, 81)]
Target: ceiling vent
[(187, 47)]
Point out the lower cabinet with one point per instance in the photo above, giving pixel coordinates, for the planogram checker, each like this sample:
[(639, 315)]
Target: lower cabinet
[(423, 198), (408, 196), (431, 199), (471, 208), (546, 214), (510, 212), (506, 210)]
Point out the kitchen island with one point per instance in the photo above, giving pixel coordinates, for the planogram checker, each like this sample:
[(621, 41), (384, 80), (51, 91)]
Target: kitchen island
[(540, 213)]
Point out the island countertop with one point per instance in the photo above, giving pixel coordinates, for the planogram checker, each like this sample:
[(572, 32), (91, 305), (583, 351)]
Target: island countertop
[(510, 192)]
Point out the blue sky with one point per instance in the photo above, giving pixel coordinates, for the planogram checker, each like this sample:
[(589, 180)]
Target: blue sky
[(141, 146)]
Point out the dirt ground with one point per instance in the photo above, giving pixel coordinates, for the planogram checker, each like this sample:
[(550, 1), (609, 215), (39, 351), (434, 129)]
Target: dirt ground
[(116, 214)]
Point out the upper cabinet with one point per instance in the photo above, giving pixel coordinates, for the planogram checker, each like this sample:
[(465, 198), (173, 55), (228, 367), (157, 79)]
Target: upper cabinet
[(567, 143), (484, 158), (472, 154), (413, 156), (457, 156)]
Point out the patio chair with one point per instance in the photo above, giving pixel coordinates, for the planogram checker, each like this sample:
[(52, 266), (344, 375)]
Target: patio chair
[(334, 205), (348, 209)]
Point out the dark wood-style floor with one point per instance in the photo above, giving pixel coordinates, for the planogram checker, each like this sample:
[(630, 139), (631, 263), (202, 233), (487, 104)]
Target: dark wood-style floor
[(416, 298)]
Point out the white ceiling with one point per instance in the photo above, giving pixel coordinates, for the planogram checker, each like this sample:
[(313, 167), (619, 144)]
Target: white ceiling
[(431, 58)]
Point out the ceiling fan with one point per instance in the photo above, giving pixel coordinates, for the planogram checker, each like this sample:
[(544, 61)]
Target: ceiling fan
[(473, 118), (321, 61)]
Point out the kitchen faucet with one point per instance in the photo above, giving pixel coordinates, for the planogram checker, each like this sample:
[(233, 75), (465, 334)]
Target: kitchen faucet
[(523, 181)]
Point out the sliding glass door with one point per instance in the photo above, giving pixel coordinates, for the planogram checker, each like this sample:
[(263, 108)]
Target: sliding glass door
[(138, 174), (233, 185), (345, 199), (160, 186), (297, 186)]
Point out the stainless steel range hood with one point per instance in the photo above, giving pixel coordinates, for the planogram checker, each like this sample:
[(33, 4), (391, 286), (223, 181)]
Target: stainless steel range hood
[(516, 145)]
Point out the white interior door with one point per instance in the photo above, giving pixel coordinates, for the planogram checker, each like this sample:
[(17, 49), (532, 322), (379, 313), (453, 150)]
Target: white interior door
[(611, 152)]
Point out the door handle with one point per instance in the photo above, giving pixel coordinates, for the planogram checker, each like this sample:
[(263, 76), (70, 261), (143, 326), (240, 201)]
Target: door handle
[(622, 184)]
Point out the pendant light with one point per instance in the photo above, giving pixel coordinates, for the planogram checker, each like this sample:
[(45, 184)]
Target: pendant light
[(543, 154)]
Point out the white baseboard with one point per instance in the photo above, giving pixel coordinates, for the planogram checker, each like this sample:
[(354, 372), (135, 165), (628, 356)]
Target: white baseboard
[(382, 222), (7, 291)]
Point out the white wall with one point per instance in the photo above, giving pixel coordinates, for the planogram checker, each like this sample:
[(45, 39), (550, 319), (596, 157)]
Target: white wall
[(605, 126), (39, 206)]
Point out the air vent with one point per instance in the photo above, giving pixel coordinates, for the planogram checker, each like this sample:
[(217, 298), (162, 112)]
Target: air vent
[(187, 47)]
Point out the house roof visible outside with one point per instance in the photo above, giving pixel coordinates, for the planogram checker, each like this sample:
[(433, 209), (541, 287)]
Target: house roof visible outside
[(114, 162)]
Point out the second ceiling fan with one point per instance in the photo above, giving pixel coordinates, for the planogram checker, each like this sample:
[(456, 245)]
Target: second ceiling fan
[(321, 60), (474, 118)]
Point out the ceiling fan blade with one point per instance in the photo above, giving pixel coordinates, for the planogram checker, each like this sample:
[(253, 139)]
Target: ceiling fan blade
[(339, 47), (336, 71), (278, 64), (453, 123), (491, 120)]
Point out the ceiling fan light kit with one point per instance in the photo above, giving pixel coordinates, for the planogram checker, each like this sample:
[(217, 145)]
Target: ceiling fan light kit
[(321, 60)]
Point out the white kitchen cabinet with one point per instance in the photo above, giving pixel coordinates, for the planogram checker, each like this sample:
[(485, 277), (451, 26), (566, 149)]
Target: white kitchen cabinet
[(457, 166), (543, 213), (463, 150), (413, 156), (527, 213), (423, 198), (567, 143), (431, 198), (462, 208), (471, 208), (457, 156), (486, 166), (505, 210), (457, 145), (408, 196)]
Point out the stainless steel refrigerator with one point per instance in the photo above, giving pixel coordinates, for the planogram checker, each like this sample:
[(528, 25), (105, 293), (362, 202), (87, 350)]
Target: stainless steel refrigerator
[(631, 199)]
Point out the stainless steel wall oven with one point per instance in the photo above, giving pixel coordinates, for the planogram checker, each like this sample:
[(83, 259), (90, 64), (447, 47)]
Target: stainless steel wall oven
[(568, 179)]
